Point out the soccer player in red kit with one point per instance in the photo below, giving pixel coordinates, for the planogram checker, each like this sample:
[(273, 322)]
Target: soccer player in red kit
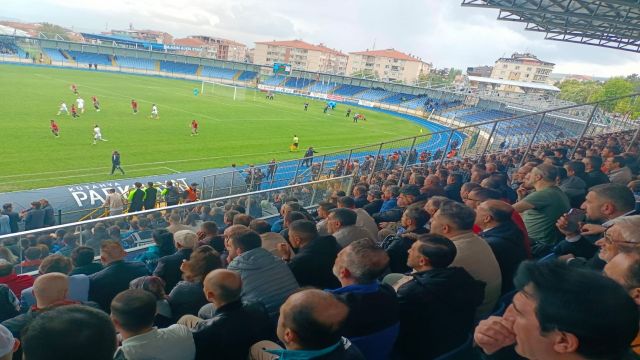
[(74, 111), (96, 103), (134, 106), (54, 128), (194, 127)]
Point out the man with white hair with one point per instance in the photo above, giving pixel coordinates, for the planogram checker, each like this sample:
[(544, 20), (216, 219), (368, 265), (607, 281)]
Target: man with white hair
[(168, 267)]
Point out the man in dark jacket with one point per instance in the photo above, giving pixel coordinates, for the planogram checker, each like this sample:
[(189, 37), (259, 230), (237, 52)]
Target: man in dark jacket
[(14, 218), (226, 335), (34, 217), (373, 307), (360, 196), (413, 221), (493, 217), (437, 302), (136, 198), (408, 195), (116, 275), (168, 267), (454, 184), (314, 256), (592, 167), (49, 213), (150, 196), (375, 202)]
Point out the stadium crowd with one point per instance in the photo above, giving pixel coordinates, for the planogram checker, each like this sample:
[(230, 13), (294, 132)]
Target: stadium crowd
[(475, 259)]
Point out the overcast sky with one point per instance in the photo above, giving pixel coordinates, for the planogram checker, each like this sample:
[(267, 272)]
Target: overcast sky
[(439, 31)]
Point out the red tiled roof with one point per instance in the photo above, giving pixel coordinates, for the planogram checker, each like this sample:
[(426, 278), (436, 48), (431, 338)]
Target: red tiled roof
[(389, 53), (299, 44)]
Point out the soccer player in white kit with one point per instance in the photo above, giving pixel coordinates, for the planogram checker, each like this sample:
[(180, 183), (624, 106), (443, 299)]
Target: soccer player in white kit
[(154, 112), (80, 103), (63, 108), (97, 134)]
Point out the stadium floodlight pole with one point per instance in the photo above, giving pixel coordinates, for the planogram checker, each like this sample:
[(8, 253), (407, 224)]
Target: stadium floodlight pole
[(486, 146), (375, 162), (406, 161), (584, 130), (444, 153), (533, 138)]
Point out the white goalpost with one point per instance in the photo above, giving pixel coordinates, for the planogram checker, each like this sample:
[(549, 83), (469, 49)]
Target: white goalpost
[(224, 91)]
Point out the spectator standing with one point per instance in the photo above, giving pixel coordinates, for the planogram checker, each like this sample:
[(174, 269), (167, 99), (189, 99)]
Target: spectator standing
[(33, 217), (49, 213), (114, 202), (136, 198), (542, 208), (171, 194), (150, 196)]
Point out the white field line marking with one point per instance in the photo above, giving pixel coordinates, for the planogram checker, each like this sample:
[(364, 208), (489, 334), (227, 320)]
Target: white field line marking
[(83, 175), (170, 162)]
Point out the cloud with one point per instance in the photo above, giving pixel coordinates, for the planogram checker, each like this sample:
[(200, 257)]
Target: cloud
[(438, 31)]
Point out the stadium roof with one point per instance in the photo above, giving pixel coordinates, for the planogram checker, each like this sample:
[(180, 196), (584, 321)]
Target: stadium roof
[(521, 84), (299, 44), (611, 23), (388, 53)]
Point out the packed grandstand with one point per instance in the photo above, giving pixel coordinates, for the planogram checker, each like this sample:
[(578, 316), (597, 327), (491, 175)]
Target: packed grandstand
[(509, 231)]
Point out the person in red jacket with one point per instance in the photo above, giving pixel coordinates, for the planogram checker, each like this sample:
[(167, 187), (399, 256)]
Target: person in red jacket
[(15, 282)]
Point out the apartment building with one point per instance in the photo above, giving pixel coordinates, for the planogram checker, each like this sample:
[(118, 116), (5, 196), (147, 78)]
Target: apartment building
[(387, 65), (524, 67), (301, 55)]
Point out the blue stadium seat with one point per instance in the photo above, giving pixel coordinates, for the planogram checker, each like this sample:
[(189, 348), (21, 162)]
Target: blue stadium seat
[(373, 94), (220, 73), (348, 90), (297, 83), (247, 76), (398, 98), (89, 58), (321, 87), (136, 63), (174, 67), (274, 80), (54, 54)]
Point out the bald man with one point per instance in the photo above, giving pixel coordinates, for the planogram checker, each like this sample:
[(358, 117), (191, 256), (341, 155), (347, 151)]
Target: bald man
[(235, 325), (310, 321), (50, 291), (493, 217)]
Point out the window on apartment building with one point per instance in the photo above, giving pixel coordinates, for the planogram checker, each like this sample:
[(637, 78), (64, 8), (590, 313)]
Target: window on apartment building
[(517, 67)]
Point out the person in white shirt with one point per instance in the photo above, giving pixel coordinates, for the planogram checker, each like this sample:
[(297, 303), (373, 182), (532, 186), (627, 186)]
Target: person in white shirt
[(114, 202), (97, 134), (80, 103), (133, 312), (154, 112), (63, 108)]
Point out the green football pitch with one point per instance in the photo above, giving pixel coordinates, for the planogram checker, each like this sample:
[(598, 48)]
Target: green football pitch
[(250, 129)]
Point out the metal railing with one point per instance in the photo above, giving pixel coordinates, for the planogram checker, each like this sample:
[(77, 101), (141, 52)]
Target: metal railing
[(258, 204)]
